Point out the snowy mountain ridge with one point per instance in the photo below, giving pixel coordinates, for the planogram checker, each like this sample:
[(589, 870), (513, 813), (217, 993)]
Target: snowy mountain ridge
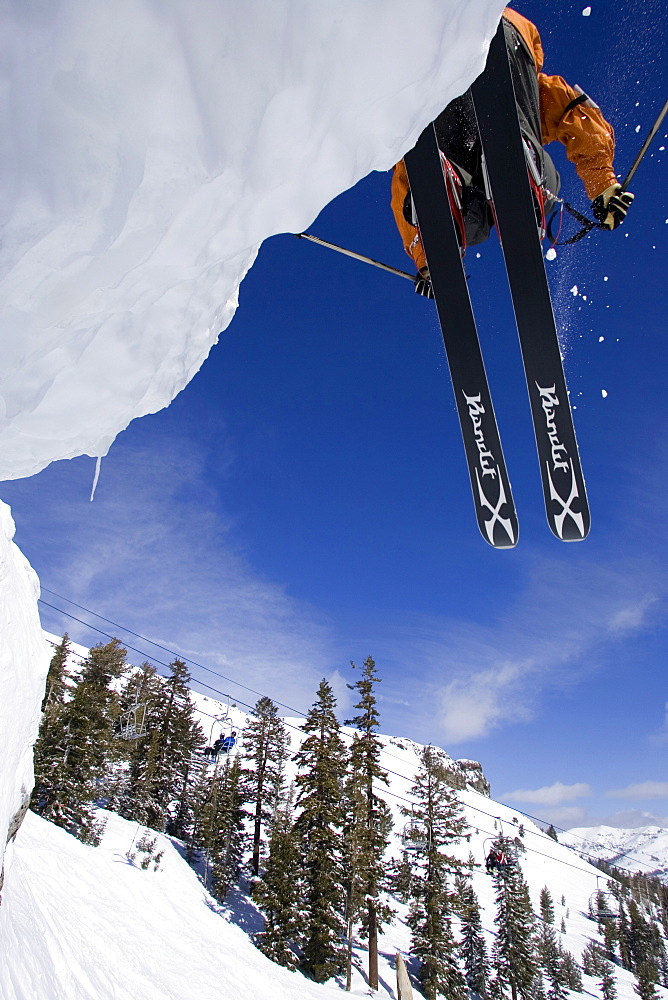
[(642, 849)]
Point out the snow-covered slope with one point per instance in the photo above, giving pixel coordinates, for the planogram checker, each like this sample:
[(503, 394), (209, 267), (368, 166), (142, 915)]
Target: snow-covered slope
[(24, 660), (642, 849), (147, 151), (83, 922)]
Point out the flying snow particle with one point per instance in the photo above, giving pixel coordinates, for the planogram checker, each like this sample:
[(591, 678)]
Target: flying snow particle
[(661, 149), (574, 290), (606, 277), (551, 254), (637, 128), (477, 255), (601, 339), (586, 12), (604, 393)]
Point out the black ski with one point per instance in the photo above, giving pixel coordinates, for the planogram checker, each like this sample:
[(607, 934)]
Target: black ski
[(563, 483), (492, 495)]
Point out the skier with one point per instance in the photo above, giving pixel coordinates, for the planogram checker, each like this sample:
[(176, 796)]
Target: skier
[(548, 109), (225, 744), (496, 860)]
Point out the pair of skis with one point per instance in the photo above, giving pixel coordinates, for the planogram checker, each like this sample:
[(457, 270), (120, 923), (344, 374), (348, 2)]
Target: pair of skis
[(563, 484)]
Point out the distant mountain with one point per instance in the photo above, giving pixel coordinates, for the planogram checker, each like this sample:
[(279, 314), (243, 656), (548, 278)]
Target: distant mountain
[(642, 849)]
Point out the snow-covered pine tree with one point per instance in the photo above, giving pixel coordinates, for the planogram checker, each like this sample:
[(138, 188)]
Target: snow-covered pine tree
[(472, 949), (369, 823), (50, 751), (181, 736), (514, 950), (593, 959), (570, 972), (647, 978), (225, 840), (162, 773), (265, 750), (58, 677), (624, 938), (546, 906), (80, 746), (432, 940), (646, 949), (551, 832), (131, 796), (322, 766), (278, 893), (607, 983)]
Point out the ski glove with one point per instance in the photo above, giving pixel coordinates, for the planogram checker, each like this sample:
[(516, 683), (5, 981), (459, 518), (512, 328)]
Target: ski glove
[(610, 208), (423, 284)]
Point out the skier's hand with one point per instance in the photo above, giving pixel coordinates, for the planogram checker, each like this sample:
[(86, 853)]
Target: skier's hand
[(423, 284), (611, 206)]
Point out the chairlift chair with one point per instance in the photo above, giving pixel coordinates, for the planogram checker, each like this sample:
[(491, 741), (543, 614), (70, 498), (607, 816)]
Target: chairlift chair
[(600, 905), (132, 722), (415, 835), (506, 849)]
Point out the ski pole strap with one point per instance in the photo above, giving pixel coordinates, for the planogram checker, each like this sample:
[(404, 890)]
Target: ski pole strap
[(586, 224)]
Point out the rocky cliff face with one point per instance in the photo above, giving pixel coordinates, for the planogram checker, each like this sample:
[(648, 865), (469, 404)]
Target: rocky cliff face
[(461, 773)]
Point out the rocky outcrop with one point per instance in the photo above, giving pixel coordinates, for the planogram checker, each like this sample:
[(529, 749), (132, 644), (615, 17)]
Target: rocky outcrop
[(460, 774)]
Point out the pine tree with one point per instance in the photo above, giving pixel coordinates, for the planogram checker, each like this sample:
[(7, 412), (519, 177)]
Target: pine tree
[(278, 892), (514, 959), (570, 972), (472, 949), (370, 824), (226, 839), (546, 906), (58, 677), (608, 986), (433, 943), (322, 764), (624, 939), (551, 832), (647, 978), (162, 773), (266, 743), (593, 959), (77, 745)]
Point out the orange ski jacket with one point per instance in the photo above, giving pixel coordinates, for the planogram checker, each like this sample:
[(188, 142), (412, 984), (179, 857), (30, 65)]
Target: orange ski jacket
[(588, 138)]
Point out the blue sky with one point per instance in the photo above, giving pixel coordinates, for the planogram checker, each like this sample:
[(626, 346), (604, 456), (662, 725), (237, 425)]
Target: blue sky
[(305, 502)]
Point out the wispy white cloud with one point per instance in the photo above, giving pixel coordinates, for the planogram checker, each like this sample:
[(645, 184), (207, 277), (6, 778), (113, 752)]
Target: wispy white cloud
[(661, 737), (484, 676), (641, 790), (566, 816), (157, 553), (549, 795)]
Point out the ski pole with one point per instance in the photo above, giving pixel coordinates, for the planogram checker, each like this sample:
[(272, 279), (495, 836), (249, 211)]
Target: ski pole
[(356, 256), (645, 146)]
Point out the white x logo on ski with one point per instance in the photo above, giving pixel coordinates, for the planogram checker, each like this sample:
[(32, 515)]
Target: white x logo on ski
[(566, 511), (505, 522)]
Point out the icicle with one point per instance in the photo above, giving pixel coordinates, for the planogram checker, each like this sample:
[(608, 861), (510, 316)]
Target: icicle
[(98, 463)]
